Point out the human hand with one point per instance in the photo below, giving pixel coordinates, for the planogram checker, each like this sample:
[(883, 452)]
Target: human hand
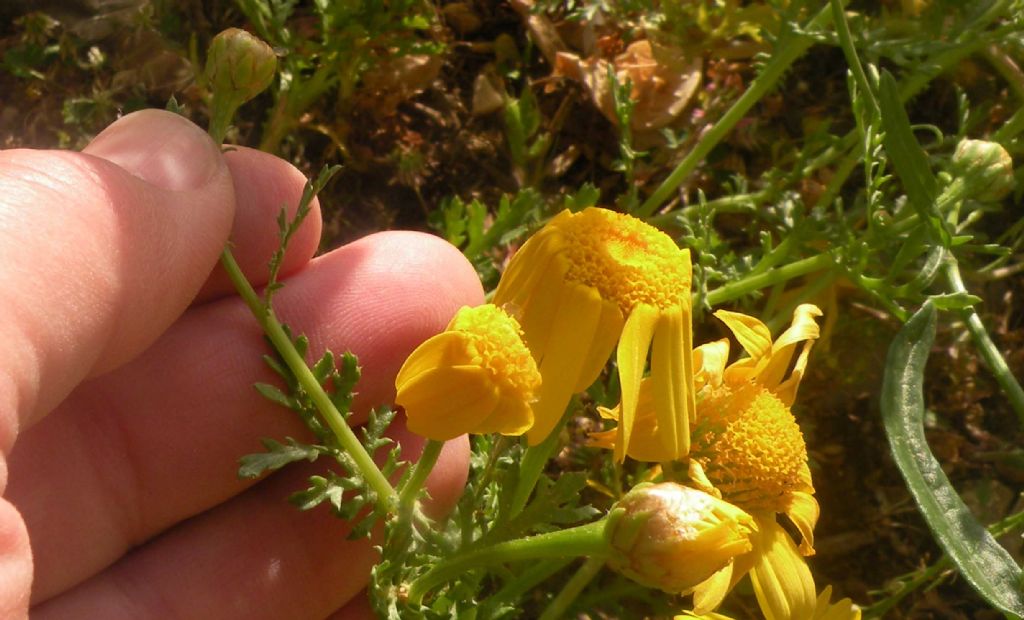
[(126, 374)]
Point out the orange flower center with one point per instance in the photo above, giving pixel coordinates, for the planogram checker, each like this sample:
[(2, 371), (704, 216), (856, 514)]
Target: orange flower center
[(750, 447), (625, 259), (495, 339)]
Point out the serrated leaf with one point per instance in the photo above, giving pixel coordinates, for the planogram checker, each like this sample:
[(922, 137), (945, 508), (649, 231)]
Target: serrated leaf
[(276, 365), (277, 455), (302, 345), (320, 490), (954, 301), (586, 196), (324, 367), (273, 394), (511, 214), (986, 566)]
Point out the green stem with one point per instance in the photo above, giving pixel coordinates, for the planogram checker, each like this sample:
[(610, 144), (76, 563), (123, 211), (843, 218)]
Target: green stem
[(386, 495), (852, 61), (986, 347), (762, 84), (749, 284), (411, 491), (531, 466), (586, 573), (585, 540)]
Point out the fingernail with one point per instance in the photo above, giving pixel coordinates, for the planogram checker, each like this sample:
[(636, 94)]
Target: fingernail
[(162, 148)]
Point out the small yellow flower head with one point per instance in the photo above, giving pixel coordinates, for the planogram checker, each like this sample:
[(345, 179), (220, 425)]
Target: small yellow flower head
[(751, 448), (747, 441), (588, 280), (674, 537), (475, 377)]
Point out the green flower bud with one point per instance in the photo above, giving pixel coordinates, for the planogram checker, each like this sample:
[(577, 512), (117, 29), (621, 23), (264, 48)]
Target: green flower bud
[(239, 66), (985, 167), (674, 537)]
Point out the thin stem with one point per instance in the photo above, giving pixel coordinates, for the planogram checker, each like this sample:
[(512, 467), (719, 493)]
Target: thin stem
[(749, 284), (986, 347), (586, 573), (762, 84), (282, 343), (852, 61), (585, 540), (422, 468), (530, 468)]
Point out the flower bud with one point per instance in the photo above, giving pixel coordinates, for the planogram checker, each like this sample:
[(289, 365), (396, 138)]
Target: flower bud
[(985, 167), (674, 537), (239, 66)]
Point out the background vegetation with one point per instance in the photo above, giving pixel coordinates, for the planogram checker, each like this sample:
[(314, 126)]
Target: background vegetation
[(767, 136)]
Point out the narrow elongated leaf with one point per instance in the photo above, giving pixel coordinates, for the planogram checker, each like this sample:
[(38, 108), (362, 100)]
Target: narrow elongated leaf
[(984, 564), (908, 158)]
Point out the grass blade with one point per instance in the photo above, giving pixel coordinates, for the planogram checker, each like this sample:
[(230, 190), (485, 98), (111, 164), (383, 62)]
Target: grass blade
[(980, 559)]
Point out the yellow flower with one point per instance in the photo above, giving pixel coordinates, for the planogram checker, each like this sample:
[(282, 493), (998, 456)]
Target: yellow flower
[(674, 537), (477, 376), (747, 447), (587, 280)]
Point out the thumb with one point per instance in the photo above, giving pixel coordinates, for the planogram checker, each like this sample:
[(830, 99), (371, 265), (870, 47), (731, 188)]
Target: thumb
[(100, 252)]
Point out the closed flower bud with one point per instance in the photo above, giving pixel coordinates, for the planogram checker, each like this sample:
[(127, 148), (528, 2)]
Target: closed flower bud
[(985, 167), (239, 66), (674, 537)]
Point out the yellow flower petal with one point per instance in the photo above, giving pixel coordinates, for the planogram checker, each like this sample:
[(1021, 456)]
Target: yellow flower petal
[(843, 609), (709, 362), (509, 417), (672, 382), (572, 332), (535, 306), (609, 326), (709, 595), (443, 403), (533, 260), (782, 581), (803, 328), (752, 334), (631, 356), (444, 349), (803, 511), (645, 443)]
